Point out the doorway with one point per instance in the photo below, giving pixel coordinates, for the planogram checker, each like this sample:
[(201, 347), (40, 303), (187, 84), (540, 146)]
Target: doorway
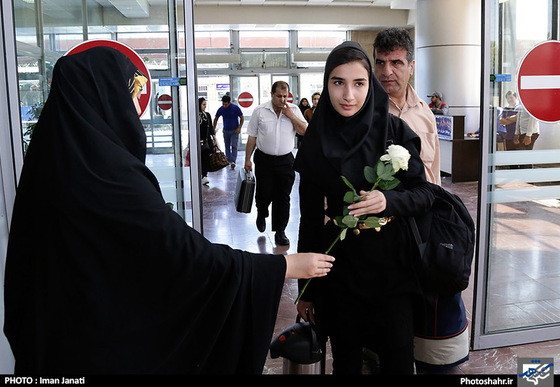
[(44, 32), (517, 292)]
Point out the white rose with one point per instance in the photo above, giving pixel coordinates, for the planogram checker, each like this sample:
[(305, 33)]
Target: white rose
[(398, 156)]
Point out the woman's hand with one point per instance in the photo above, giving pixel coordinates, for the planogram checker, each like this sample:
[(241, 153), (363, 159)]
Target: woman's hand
[(308, 265), (305, 310), (373, 202)]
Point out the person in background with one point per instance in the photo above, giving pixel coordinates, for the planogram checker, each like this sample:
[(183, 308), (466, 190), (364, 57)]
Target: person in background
[(271, 132), (393, 53), (393, 66), (508, 119), (102, 276), (371, 298), (526, 130), (303, 105), (437, 106), (315, 100), (233, 122), (207, 138)]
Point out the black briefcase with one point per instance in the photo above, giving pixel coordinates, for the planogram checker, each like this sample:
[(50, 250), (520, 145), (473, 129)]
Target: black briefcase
[(244, 191)]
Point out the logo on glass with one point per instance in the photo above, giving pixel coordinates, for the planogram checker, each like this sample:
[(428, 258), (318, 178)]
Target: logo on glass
[(535, 372)]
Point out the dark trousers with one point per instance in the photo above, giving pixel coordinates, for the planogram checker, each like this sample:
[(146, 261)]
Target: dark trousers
[(274, 177), (522, 146), (388, 331), (205, 161)]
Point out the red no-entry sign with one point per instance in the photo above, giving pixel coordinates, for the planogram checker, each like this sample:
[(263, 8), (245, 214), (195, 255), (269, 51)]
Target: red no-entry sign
[(538, 81), (245, 99), (164, 102)]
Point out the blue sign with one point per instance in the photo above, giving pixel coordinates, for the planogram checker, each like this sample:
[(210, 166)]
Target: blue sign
[(169, 81), (500, 77)]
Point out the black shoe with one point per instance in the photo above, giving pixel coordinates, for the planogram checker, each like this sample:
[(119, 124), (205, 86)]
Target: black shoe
[(281, 238), (261, 223)]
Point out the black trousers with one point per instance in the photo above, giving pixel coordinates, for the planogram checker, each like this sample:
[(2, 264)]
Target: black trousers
[(274, 177), (387, 330)]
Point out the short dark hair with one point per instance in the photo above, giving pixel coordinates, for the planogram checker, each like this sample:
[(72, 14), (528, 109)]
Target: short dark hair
[(226, 98), (392, 39), (511, 92), (280, 85)]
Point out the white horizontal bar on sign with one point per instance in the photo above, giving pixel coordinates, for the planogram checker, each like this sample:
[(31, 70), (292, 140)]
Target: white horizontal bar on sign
[(538, 82), (539, 175), (548, 156), (524, 194)]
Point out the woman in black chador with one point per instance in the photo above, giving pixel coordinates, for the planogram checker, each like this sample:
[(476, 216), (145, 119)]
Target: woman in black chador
[(101, 275), (369, 299), (207, 138)]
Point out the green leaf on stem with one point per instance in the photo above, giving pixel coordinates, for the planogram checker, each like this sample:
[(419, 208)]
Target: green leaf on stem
[(386, 172), (349, 184), (387, 185), (349, 197), (372, 222), (350, 220), (369, 174)]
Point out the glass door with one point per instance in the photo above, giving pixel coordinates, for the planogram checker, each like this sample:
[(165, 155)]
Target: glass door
[(247, 94), (517, 292), (248, 91), (45, 31)]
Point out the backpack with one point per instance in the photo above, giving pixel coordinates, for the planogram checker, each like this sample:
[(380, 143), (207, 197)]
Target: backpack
[(445, 236)]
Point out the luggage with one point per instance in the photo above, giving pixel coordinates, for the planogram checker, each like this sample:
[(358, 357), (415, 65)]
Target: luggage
[(300, 348), (244, 191), (445, 235), (443, 342)]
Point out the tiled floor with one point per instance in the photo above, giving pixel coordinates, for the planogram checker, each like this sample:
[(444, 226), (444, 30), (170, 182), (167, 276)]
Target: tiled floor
[(511, 278)]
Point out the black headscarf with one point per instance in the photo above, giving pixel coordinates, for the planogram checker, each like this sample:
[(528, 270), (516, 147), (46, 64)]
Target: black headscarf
[(101, 275), (347, 144)]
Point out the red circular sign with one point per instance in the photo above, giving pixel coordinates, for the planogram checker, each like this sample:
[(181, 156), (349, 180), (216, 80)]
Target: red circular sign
[(245, 99), (290, 98), (164, 102), (146, 94), (538, 81)]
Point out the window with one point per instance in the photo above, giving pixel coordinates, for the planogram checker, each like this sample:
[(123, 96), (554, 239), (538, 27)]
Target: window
[(264, 39), (320, 39)]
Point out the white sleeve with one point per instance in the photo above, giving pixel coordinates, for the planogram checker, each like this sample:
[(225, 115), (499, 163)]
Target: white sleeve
[(253, 127)]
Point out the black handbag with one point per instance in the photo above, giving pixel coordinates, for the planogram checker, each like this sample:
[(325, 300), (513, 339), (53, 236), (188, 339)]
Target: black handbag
[(218, 160)]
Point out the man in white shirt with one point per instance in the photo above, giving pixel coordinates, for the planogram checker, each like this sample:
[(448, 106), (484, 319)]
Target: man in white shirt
[(526, 130), (272, 131)]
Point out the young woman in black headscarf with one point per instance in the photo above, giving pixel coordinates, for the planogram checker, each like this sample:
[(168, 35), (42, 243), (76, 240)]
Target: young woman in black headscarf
[(101, 275), (369, 299)]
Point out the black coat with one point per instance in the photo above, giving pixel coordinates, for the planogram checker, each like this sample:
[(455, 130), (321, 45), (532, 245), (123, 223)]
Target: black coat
[(101, 275), (372, 266)]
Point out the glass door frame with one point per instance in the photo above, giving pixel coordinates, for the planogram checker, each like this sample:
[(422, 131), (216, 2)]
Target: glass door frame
[(480, 339)]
